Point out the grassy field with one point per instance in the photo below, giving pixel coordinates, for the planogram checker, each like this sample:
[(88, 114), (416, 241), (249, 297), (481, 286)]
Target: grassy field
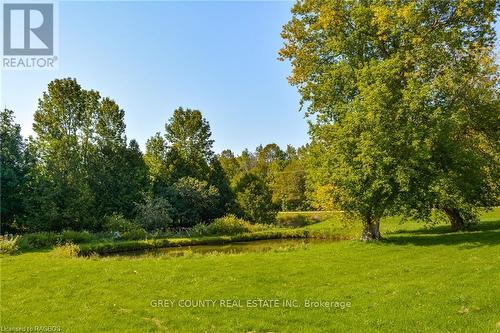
[(418, 280)]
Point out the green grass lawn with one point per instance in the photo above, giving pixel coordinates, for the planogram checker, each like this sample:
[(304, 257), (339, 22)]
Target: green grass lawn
[(417, 280)]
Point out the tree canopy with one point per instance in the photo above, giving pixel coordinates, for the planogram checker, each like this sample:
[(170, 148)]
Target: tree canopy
[(405, 99)]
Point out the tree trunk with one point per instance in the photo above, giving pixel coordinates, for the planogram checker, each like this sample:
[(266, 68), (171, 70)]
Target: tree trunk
[(371, 231), (457, 222)]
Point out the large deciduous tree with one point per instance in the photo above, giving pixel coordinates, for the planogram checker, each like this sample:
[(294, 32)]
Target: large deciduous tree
[(184, 169), (64, 127), (188, 137), (84, 169), (405, 98), (185, 150)]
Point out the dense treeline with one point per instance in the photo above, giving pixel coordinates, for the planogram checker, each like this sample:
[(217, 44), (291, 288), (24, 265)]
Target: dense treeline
[(405, 106), (80, 169)]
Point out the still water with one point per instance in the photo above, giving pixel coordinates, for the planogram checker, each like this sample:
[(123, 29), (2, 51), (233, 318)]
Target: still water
[(277, 245)]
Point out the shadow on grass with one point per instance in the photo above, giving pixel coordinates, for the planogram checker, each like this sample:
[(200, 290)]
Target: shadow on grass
[(444, 229), (486, 233)]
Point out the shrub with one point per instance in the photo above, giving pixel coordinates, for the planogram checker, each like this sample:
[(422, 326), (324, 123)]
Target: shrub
[(38, 240), (9, 244), (135, 234), (254, 199), (154, 214), (77, 237), (117, 222), (201, 229), (194, 200), (300, 219), (66, 250), (229, 225), (292, 220)]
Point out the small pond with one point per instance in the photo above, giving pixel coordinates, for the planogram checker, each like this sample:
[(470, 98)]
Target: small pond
[(277, 245)]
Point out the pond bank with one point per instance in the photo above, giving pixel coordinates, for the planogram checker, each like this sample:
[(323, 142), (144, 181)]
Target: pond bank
[(257, 246), (150, 244)]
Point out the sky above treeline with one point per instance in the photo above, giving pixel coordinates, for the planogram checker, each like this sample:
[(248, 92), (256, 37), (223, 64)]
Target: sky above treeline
[(152, 57)]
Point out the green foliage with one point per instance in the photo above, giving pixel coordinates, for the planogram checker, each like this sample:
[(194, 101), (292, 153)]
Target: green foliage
[(229, 225), (13, 172), (188, 133), (123, 228), (282, 171), (183, 169), (200, 229), (289, 187), (83, 168), (9, 244), (219, 179), (134, 234), (269, 160), (62, 124), (405, 99), (157, 165), (254, 199), (38, 240), (229, 163), (194, 201), (184, 151), (40, 209), (154, 214), (77, 237), (117, 222), (119, 176), (299, 219), (115, 247)]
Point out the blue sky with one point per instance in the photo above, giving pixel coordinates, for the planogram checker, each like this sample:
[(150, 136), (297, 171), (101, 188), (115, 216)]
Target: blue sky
[(218, 57), (151, 57)]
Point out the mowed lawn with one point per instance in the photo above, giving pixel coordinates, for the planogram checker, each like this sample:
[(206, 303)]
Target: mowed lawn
[(418, 280)]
